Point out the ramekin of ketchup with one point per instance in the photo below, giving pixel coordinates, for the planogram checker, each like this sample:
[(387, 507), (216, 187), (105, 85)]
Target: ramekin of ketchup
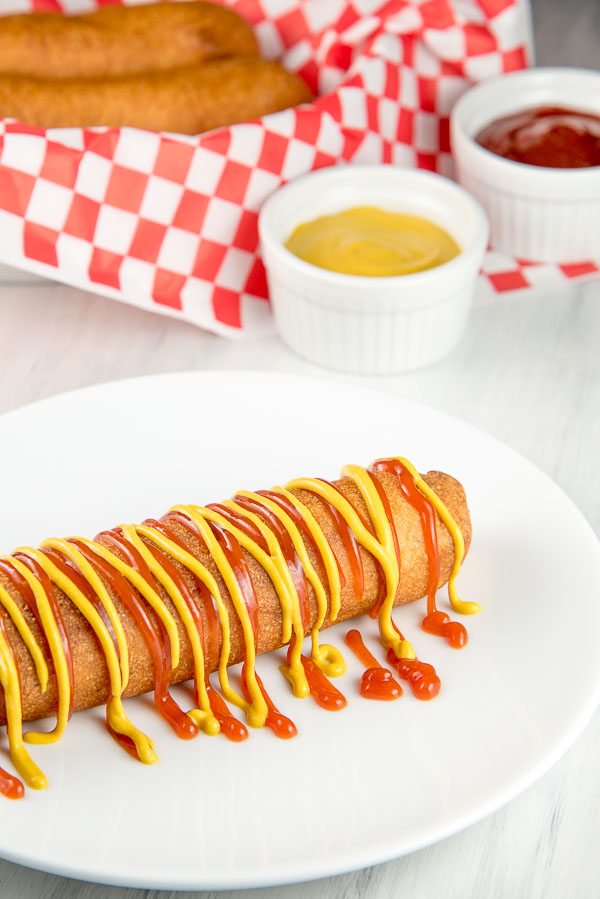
[(527, 145), (548, 136)]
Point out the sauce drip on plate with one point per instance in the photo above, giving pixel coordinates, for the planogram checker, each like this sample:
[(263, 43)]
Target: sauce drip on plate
[(376, 682)]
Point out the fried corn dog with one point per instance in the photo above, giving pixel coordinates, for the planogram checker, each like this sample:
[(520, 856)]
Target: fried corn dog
[(121, 40), (91, 680), (186, 101)]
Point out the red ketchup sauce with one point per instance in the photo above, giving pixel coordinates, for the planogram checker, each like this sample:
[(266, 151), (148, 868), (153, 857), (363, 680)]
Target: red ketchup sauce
[(48, 589), (242, 524), (288, 551), (123, 740), (321, 689), (155, 637), (231, 728), (281, 726), (346, 534), (349, 542), (74, 575), (233, 553), (435, 622), (284, 503), (376, 682), (133, 558), (382, 589), (10, 786), (548, 136), (421, 677), (208, 602)]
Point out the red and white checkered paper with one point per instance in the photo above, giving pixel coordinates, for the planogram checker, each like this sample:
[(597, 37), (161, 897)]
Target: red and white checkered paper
[(169, 222)]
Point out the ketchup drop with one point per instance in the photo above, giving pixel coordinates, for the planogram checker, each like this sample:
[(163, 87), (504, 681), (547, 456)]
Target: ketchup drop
[(422, 677), (281, 726), (376, 682), (231, 728), (440, 624), (321, 688), (11, 786)]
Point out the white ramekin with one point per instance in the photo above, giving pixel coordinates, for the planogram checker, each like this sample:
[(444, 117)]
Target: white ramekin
[(536, 213), (361, 324)]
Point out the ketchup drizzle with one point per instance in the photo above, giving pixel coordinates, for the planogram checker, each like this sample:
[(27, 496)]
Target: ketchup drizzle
[(48, 589), (156, 639), (288, 551), (435, 622), (10, 786), (164, 526), (421, 676), (376, 681), (64, 565), (349, 542), (281, 726), (284, 503), (321, 689), (231, 727)]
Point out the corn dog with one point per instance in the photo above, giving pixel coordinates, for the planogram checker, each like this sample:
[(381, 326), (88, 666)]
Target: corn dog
[(206, 587), (121, 40), (187, 101)]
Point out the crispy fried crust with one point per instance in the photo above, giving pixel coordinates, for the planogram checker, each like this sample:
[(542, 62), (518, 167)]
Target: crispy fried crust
[(120, 40), (91, 679), (187, 101)]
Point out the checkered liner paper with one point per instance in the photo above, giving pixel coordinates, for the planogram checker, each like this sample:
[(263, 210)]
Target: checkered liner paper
[(169, 222)]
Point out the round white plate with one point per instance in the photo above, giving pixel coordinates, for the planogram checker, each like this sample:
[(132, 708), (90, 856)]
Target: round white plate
[(356, 787)]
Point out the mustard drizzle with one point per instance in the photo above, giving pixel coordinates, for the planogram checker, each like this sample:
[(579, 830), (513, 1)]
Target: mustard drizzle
[(202, 573), (115, 713), (380, 545), (57, 653), (35, 651), (274, 564), (9, 678), (458, 604), (203, 716), (328, 658)]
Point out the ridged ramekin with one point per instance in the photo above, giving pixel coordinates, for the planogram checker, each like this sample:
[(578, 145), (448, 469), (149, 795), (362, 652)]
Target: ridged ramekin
[(536, 213), (370, 325)]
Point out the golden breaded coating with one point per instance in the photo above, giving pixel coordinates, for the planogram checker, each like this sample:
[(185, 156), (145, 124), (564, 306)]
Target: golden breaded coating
[(91, 684), (187, 101), (121, 40)]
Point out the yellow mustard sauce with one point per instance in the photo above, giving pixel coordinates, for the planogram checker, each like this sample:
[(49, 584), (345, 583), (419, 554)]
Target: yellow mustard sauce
[(374, 242), (103, 617)]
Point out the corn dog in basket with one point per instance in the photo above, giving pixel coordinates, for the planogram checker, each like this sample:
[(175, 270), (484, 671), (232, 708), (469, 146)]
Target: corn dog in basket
[(85, 622), (122, 40)]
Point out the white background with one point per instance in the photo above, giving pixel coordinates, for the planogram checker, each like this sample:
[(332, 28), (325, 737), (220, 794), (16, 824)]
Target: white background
[(528, 371)]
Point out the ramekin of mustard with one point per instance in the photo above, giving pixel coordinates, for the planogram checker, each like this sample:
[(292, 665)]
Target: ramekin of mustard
[(371, 269), (527, 146), (373, 242)]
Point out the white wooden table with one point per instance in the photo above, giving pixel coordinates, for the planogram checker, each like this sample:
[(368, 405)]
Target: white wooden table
[(528, 370)]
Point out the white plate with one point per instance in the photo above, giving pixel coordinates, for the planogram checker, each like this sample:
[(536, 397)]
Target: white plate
[(357, 787)]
